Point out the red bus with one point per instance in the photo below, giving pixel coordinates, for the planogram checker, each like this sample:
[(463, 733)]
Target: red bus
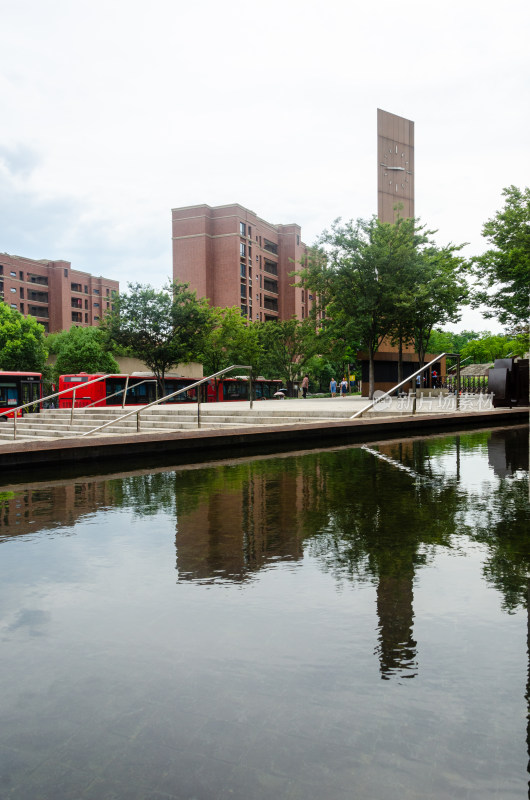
[(143, 388), (227, 389), (18, 388)]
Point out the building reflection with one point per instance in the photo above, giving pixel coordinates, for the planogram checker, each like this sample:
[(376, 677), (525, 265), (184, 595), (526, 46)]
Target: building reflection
[(35, 509), (244, 525)]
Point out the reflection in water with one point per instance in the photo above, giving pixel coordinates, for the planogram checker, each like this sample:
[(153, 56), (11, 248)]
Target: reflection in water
[(261, 538)]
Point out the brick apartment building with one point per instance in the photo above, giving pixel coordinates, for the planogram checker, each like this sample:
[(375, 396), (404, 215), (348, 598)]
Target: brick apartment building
[(54, 293), (234, 258)]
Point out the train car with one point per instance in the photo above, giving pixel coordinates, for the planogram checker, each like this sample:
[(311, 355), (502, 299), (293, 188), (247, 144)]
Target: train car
[(17, 389), (228, 389), (142, 389)]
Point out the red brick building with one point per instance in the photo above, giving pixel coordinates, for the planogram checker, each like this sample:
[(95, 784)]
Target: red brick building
[(234, 258), (54, 293)]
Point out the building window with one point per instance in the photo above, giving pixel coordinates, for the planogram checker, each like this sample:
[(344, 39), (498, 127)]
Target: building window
[(22, 308), (243, 271), (22, 292), (86, 303), (76, 287), (13, 305), (108, 292), (297, 239), (243, 290), (303, 296), (96, 317), (249, 253), (249, 231), (21, 275), (86, 317), (271, 247), (13, 274), (270, 286), (242, 230), (66, 273), (96, 305), (13, 291), (96, 291), (86, 289), (242, 249), (270, 266), (243, 311)]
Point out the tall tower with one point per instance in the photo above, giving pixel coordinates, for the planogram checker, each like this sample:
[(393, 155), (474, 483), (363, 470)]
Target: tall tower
[(395, 166)]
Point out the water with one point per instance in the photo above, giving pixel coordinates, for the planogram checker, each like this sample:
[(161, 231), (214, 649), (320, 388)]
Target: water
[(349, 623)]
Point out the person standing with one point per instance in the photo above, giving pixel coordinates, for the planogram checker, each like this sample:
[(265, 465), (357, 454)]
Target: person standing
[(344, 387), (333, 387), (305, 386)]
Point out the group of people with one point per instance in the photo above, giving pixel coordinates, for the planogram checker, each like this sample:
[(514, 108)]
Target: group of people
[(343, 387), (332, 387)]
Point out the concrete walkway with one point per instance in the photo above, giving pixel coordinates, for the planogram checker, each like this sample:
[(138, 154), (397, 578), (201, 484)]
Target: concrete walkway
[(138, 448)]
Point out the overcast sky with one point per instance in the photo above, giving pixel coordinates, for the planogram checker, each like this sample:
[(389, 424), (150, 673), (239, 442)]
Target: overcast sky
[(115, 112)]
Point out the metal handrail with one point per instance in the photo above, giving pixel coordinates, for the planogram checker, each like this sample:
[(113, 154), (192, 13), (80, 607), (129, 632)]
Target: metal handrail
[(174, 394), (411, 377), (127, 387), (50, 397)]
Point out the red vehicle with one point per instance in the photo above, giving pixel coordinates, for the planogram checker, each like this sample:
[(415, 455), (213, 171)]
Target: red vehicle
[(18, 388), (141, 390), (237, 389)]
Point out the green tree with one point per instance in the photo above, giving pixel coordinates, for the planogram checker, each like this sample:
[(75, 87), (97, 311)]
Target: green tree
[(487, 347), (503, 272), (81, 350), (162, 328), (287, 347), (438, 295), (22, 342), (449, 342), (231, 340)]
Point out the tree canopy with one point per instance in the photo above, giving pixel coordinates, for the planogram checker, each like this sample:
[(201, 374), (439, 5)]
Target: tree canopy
[(81, 350), (503, 272), (162, 328), (22, 342)]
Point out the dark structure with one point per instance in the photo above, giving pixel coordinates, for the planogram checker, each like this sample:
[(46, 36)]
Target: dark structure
[(508, 380)]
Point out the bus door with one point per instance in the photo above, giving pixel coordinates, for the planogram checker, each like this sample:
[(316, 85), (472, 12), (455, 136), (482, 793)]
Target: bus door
[(8, 395), (30, 391)]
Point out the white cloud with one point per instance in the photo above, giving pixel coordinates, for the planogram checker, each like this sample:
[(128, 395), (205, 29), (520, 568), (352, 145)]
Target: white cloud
[(113, 113)]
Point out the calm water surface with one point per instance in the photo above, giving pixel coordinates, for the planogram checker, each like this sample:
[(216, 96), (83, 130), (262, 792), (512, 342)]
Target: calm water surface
[(348, 623)]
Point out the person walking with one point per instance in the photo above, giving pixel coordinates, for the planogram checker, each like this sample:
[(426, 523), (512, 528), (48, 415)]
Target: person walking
[(344, 387), (333, 387), (305, 386)]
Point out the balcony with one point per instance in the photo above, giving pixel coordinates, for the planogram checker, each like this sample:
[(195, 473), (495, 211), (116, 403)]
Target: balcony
[(76, 287), (76, 302), (77, 316), (270, 266), (270, 246), (37, 297), (270, 286), (37, 311), (270, 303), (40, 279)]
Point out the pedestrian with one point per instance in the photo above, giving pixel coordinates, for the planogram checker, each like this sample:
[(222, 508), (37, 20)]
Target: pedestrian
[(333, 387), (305, 386), (344, 387)]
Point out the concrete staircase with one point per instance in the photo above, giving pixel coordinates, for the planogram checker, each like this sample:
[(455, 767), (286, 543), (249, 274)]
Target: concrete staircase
[(55, 423)]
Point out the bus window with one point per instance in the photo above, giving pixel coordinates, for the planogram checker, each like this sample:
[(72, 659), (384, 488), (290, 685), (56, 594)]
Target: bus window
[(8, 394)]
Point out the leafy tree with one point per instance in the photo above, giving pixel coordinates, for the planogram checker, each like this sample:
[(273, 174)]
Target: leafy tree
[(81, 350), (449, 342), (162, 328), (438, 295), (22, 342), (231, 340), (503, 272), (488, 347), (287, 347)]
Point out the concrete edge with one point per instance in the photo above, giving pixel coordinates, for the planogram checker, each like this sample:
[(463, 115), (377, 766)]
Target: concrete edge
[(306, 436)]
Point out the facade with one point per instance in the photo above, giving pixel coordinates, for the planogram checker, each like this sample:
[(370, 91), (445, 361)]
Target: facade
[(234, 258), (395, 166), (54, 293)]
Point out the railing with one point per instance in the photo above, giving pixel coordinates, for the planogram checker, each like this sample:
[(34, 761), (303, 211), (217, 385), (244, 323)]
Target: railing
[(174, 394), (410, 378), (41, 400), (125, 390)]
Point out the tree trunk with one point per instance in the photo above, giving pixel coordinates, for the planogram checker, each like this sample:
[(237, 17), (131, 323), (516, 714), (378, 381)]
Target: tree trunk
[(371, 372), (400, 359)]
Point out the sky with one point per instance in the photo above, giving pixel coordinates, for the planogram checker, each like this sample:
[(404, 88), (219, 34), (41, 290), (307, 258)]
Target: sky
[(113, 113)]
